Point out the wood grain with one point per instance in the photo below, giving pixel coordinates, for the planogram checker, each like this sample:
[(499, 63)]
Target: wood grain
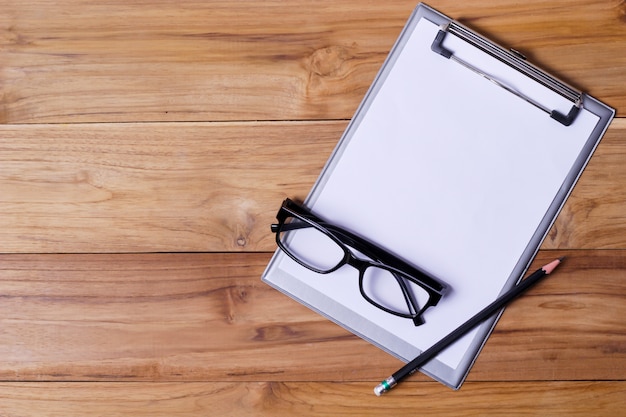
[(208, 317), (121, 61), (311, 399), (145, 147), (594, 215), (165, 187), (156, 187)]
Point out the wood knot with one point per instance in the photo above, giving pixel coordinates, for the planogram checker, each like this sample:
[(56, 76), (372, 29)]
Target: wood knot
[(273, 333), (235, 297), (328, 61), (621, 10), (242, 222)]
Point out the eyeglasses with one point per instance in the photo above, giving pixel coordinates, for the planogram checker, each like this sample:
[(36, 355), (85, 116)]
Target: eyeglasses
[(385, 281)]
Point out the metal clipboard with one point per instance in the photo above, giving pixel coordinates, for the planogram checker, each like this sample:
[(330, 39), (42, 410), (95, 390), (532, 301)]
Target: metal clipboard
[(458, 160)]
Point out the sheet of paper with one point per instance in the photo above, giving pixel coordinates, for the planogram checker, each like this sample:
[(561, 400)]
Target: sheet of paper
[(452, 173)]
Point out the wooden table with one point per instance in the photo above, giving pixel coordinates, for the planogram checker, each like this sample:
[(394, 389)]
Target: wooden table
[(145, 147)]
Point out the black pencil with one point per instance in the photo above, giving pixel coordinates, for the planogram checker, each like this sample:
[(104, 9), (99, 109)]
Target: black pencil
[(412, 367)]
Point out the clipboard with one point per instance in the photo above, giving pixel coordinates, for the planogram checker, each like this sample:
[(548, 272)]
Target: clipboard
[(458, 160)]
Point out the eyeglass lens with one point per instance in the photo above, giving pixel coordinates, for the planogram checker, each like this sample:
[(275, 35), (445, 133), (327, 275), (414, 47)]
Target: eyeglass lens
[(384, 289), (311, 246)]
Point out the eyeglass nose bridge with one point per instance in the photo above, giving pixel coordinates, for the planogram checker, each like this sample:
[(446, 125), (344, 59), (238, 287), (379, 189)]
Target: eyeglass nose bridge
[(356, 262)]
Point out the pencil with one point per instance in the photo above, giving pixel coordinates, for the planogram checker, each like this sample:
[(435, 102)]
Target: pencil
[(412, 367)]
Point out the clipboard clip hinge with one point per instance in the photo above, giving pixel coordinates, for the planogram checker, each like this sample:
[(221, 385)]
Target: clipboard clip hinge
[(568, 119), (437, 45), (515, 60)]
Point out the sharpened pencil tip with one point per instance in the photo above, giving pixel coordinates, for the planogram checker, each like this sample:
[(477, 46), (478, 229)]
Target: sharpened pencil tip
[(548, 268)]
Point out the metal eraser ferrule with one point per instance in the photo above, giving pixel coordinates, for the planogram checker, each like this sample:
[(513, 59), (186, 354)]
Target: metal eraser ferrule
[(385, 386)]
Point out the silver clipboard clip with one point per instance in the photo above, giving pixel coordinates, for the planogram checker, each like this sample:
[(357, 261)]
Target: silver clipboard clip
[(515, 60)]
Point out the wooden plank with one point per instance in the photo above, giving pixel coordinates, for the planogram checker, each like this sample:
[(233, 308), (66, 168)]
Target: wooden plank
[(598, 199), (214, 186), (311, 399), (155, 187), (92, 324), (119, 61), (208, 317)]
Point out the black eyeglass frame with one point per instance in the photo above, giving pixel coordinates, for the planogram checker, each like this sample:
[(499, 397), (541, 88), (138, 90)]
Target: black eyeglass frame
[(378, 258)]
